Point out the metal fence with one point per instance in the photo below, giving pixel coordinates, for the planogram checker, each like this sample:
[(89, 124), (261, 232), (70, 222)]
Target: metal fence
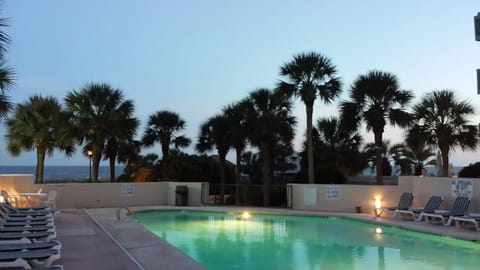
[(247, 195)]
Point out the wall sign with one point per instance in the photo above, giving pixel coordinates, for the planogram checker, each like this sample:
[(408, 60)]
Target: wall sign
[(332, 192), (462, 188), (127, 190)]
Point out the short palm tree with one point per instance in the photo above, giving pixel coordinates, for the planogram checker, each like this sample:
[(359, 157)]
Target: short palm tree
[(337, 146), (307, 76), (215, 134), (442, 119), (236, 117), (376, 98), (270, 122), (100, 112), (163, 127), (39, 124), (422, 153)]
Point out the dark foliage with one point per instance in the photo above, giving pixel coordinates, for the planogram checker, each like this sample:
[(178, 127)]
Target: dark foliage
[(470, 171)]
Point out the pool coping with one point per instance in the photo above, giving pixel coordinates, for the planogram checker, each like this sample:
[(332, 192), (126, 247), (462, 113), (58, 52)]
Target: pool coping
[(150, 251)]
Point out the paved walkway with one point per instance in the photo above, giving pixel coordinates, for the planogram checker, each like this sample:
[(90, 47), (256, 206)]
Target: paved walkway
[(86, 237), (86, 245)]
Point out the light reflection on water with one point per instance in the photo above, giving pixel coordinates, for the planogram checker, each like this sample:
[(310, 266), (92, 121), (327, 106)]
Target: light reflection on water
[(227, 241)]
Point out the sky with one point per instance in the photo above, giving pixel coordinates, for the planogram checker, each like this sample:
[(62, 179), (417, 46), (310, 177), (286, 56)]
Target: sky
[(195, 57)]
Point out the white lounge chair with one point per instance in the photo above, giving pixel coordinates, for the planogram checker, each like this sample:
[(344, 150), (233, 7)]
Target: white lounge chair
[(432, 204), (28, 259), (404, 203), (473, 218), (459, 208)]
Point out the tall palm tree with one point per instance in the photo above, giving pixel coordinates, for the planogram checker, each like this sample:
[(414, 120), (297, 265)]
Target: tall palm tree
[(236, 118), (442, 119), (307, 76), (215, 133), (39, 124), (270, 122), (7, 75), (376, 98), (163, 127), (100, 112)]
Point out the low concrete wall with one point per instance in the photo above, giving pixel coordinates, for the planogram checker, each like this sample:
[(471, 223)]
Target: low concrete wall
[(347, 198), (423, 187), (322, 197), (86, 195)]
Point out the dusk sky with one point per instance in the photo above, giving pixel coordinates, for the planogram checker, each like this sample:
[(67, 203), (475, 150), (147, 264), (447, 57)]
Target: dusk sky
[(195, 57)]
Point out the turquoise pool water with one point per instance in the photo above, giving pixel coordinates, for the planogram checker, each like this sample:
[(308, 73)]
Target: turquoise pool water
[(227, 241)]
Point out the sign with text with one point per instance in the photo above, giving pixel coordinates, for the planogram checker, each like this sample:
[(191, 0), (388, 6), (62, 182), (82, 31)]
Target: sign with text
[(127, 189), (332, 192), (462, 188)]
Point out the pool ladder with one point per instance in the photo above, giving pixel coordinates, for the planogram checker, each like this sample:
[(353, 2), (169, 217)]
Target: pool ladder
[(119, 211)]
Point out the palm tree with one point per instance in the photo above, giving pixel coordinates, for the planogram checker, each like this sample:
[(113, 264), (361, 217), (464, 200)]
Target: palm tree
[(442, 119), (375, 98), (270, 122), (235, 115), (129, 154), (422, 153), (215, 133), (163, 127), (39, 124), (6, 74), (100, 112), (337, 146), (310, 75), (370, 153)]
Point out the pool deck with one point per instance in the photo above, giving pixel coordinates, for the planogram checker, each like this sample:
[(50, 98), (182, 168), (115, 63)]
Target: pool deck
[(105, 238)]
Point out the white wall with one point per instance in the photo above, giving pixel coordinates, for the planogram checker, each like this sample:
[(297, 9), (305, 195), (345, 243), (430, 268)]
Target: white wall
[(88, 195), (351, 196)]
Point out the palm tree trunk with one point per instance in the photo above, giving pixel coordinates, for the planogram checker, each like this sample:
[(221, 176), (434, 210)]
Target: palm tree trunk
[(311, 169), (165, 174), (237, 176), (112, 168), (378, 157), (95, 166), (222, 177), (40, 166), (444, 152), (267, 174)]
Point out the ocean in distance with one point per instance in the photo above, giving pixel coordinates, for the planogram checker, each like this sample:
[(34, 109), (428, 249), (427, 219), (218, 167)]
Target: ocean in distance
[(69, 173)]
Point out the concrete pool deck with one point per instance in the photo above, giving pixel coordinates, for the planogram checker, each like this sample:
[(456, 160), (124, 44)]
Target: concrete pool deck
[(102, 239)]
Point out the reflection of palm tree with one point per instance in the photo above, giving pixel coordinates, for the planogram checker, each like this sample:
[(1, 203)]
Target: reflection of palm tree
[(163, 127), (442, 120), (215, 133), (39, 124), (310, 75), (100, 112), (374, 98), (270, 122)]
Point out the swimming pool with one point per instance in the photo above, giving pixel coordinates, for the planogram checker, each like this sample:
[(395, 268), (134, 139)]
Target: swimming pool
[(225, 240)]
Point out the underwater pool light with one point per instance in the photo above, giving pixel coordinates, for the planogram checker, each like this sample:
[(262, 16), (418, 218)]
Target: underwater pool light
[(246, 215)]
